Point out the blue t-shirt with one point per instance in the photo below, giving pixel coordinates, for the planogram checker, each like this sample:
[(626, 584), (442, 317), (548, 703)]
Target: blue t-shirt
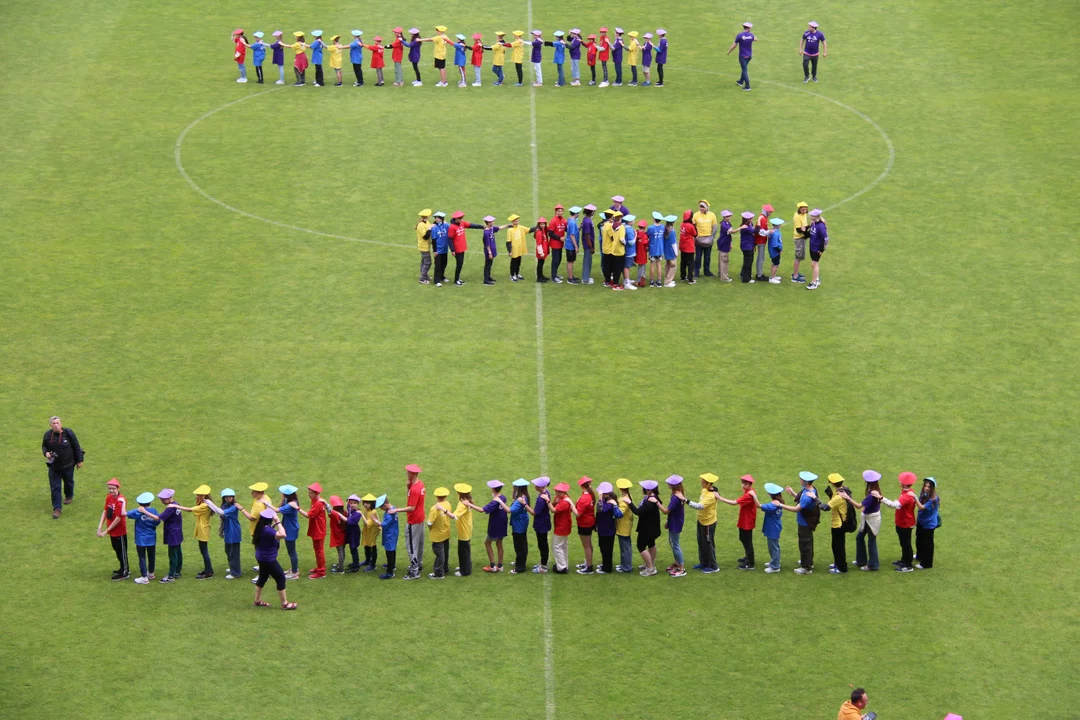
[(806, 501), (258, 52), (389, 531), (773, 523), (745, 41), (560, 52), (812, 38), (459, 54), (230, 519), (671, 244), (519, 517), (145, 528), (439, 236), (316, 51), (928, 517), (290, 520), (776, 244), (356, 52), (573, 234), (656, 240)]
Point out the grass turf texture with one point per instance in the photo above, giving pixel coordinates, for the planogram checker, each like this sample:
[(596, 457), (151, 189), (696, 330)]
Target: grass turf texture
[(187, 344)]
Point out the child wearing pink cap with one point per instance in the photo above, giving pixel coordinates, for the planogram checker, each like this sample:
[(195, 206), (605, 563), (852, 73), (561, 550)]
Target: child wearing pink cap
[(240, 46), (477, 58), (747, 504), (278, 59), (377, 60), (115, 514)]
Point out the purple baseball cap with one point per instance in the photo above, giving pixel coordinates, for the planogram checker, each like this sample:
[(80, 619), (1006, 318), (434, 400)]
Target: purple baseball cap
[(748, 215), (414, 31), (871, 475), (604, 487), (489, 218), (590, 207), (674, 480), (815, 213), (725, 213), (268, 514), (166, 493), (494, 484), (648, 484), (542, 481)]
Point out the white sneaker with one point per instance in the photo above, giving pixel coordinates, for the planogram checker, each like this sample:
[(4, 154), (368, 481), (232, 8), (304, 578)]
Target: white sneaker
[(803, 571), (230, 576), (751, 281), (241, 79), (591, 281), (670, 284), (812, 286), (629, 285), (417, 83), (255, 569), (142, 581), (647, 573), (771, 570), (604, 84), (280, 82), (476, 84), (775, 281), (556, 280)]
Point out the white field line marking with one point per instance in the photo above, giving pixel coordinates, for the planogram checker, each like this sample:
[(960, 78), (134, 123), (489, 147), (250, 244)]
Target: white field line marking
[(194, 186), (541, 407), (884, 136)]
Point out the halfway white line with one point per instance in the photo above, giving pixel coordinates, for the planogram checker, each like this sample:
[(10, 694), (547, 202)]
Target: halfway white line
[(867, 118), (194, 186), (541, 407)]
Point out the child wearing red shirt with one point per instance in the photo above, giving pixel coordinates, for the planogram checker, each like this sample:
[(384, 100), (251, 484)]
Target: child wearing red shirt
[(747, 503), (585, 510), (397, 54), (557, 231), (590, 57), (115, 514), (605, 53), (687, 248), (560, 546), (641, 252), (477, 57), (761, 239), (905, 520), (542, 235), (316, 530), (338, 520), (377, 61)]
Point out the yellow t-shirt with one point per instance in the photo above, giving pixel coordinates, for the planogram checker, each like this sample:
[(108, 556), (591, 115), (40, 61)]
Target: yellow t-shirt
[(801, 220), (839, 508), (498, 53), (370, 531), (625, 524), (516, 235), (707, 514), (422, 228), (614, 240), (634, 51), (464, 522), (518, 50), (298, 47), (440, 46), (335, 56), (201, 513), (257, 506), (704, 222), (439, 521)]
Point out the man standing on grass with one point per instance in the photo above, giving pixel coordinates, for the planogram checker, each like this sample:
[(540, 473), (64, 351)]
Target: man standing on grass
[(415, 518), (63, 455), (745, 42), (808, 48), (808, 517)]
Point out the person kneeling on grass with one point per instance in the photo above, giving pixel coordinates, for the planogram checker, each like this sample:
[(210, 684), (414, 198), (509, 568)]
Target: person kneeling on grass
[(267, 540)]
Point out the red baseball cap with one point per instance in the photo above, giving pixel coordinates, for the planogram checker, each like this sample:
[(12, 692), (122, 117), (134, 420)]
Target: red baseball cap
[(603, 29), (907, 478), (457, 215), (397, 30), (414, 468), (335, 500), (562, 487), (315, 487), (748, 478), (559, 207), (585, 480), (114, 482)]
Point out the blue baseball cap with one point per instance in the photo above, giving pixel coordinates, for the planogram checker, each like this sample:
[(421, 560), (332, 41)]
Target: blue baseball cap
[(380, 500), (657, 215), (287, 489), (670, 218), (145, 498), (520, 482), (776, 221), (773, 488), (807, 476)]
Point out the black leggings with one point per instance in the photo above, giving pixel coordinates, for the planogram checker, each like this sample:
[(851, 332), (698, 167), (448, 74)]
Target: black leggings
[(747, 272), (416, 69), (515, 266), (539, 268), (660, 73), (464, 557), (556, 260), (299, 75), (147, 555), (371, 556), (487, 269), (517, 66), (746, 537), (391, 561), (440, 267), (592, 69), (521, 552), (258, 72), (686, 265), (607, 552), (120, 547), (358, 71), (839, 549), (459, 260), (924, 547), (904, 535), (807, 63), (271, 569), (355, 553), (318, 74), (542, 546)]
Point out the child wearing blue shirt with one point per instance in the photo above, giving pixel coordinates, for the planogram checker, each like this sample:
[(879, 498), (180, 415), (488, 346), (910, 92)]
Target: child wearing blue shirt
[(671, 249), (317, 46), (520, 510), (258, 55), (656, 250), (571, 243), (773, 523), (230, 531), (356, 57), (927, 521), (389, 535), (459, 59), (560, 56), (146, 523), (631, 251), (775, 245), (290, 521)]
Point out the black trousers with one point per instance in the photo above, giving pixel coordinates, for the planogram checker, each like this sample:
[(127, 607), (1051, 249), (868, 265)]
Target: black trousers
[(66, 476), (542, 546), (440, 267), (441, 550), (416, 69), (556, 260), (358, 71), (747, 272), (120, 547), (746, 537), (807, 63), (487, 268), (521, 552), (271, 569), (371, 556), (318, 74), (592, 69), (459, 260), (515, 266), (706, 542), (464, 557), (686, 265), (391, 561), (258, 72), (540, 268), (517, 66), (806, 547), (904, 534), (355, 553), (924, 547), (839, 548), (660, 73), (607, 552)]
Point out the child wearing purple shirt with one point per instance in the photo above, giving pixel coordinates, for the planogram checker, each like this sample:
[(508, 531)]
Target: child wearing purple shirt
[(542, 522), (661, 56), (646, 59), (588, 244), (279, 57), (575, 56), (819, 240), (537, 58), (607, 512), (489, 247), (745, 42), (414, 53), (172, 533), (497, 511), (676, 518), (747, 233)]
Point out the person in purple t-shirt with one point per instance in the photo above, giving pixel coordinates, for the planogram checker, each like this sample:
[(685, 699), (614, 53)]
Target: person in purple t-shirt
[(537, 58), (745, 42), (172, 534), (812, 39), (661, 56), (489, 247)]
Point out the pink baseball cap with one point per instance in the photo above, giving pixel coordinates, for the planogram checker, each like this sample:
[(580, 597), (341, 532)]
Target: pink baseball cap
[(590, 207), (238, 31), (277, 33), (766, 208), (603, 29), (618, 198), (489, 218), (114, 482), (905, 478), (562, 487), (315, 487), (397, 30), (585, 480), (476, 36), (414, 468), (725, 213), (748, 478), (457, 215), (537, 33)]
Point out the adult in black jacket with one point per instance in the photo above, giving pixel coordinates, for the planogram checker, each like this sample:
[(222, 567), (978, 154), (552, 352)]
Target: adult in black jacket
[(62, 455)]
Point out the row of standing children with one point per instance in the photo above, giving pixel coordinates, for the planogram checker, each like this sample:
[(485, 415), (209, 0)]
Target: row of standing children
[(602, 49)]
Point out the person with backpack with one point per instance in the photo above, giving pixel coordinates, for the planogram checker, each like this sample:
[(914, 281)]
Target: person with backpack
[(842, 521), (808, 517), (63, 455)]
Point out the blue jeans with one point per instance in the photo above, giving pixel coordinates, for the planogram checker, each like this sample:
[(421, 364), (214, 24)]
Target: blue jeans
[(626, 553), (562, 78), (147, 554), (586, 266), (294, 561), (575, 69), (498, 70), (676, 548), (774, 552), (232, 554), (744, 79), (703, 256), (864, 541), (243, 70), (618, 73), (204, 550)]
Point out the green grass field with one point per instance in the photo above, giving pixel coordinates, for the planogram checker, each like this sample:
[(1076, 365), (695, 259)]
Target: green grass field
[(186, 343)]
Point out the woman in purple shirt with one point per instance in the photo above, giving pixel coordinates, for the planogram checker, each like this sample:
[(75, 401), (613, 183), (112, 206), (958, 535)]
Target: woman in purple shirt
[(747, 231), (267, 539), (745, 42), (661, 56), (542, 521)]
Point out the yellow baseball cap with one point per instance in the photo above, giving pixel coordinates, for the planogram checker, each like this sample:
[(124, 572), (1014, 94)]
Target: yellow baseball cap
[(633, 33), (441, 492), (514, 217), (519, 33), (463, 488), (802, 205), (298, 33), (202, 490), (623, 484), (425, 212), (709, 478), (836, 478), (440, 28), (369, 498), (258, 487), (500, 33)]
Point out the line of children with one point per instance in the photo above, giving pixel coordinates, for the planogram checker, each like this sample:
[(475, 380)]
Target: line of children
[(602, 48)]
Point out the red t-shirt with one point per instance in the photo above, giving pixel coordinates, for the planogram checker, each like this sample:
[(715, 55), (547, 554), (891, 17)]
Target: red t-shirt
[(337, 531), (641, 249), (747, 511), (905, 516), (605, 48), (478, 53), (687, 237), (456, 234), (397, 49), (590, 52), (557, 225), (240, 53), (562, 517), (586, 508), (763, 230), (316, 523), (114, 506), (541, 237), (376, 56), (416, 502)]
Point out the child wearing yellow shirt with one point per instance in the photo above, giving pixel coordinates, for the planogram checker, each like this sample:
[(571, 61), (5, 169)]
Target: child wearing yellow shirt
[(464, 524), (706, 524), (518, 55), (201, 512), (369, 532), (516, 246), (634, 52), (498, 55), (438, 522)]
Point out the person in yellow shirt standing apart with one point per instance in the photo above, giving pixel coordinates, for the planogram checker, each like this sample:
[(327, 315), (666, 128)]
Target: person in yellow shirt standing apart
[(518, 55), (705, 223), (634, 56), (440, 41), (423, 244), (706, 524), (516, 245), (438, 522)]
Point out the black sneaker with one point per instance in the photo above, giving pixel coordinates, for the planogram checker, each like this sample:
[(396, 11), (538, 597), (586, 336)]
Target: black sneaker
[(459, 282), (120, 576), (746, 567)]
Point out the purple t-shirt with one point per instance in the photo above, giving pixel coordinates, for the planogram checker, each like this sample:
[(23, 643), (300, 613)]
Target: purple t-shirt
[(575, 48), (496, 518), (542, 515), (266, 545), (617, 50), (646, 55), (537, 49), (173, 526), (279, 53), (811, 40), (676, 514), (723, 244), (489, 241), (746, 237), (819, 237), (661, 51), (414, 49), (605, 519), (745, 41)]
